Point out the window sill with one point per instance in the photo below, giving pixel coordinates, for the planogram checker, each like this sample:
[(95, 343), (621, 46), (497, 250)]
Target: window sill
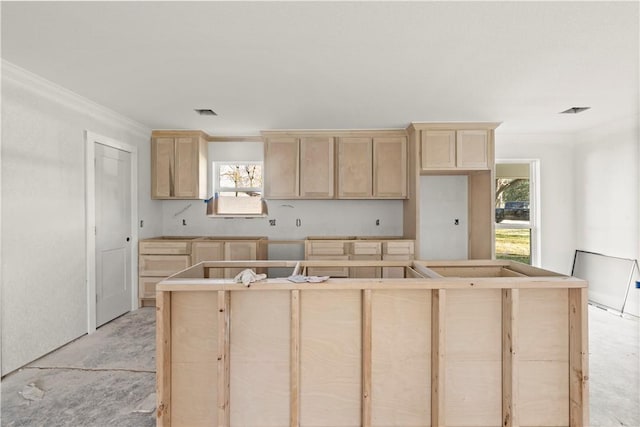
[(230, 216), (233, 207)]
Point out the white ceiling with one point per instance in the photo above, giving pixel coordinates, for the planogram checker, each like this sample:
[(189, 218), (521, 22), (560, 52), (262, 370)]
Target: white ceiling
[(331, 65)]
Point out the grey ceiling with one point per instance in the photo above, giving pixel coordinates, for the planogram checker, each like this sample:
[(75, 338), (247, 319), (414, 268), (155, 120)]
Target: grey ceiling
[(274, 65)]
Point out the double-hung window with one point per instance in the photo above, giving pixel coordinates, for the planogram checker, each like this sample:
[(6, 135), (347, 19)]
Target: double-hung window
[(516, 202), (238, 189)]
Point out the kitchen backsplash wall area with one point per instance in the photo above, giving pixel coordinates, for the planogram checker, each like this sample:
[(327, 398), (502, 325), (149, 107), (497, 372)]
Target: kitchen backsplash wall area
[(292, 219)]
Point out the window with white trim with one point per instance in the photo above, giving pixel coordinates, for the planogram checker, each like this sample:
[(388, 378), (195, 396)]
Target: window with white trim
[(238, 188), (516, 202)]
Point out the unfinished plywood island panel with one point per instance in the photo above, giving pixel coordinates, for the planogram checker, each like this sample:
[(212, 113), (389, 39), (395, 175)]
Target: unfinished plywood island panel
[(456, 343)]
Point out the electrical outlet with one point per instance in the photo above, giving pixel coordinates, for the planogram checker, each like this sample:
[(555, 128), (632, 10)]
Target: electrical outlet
[(272, 222), (184, 222), (377, 222)]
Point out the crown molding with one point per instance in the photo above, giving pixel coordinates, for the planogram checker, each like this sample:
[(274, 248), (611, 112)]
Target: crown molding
[(40, 86)]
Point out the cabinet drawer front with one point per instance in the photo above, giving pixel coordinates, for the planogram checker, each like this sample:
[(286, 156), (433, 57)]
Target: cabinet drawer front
[(165, 247), (404, 247), (326, 248), (163, 265), (366, 248), (147, 286), (328, 271)]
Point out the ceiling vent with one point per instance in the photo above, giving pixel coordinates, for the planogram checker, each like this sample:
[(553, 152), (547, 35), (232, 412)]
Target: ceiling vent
[(205, 112), (575, 110)]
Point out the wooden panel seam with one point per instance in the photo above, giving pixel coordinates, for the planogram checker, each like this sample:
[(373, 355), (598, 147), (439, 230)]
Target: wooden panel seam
[(223, 358), (510, 351), (294, 363), (578, 358), (366, 357), (163, 361), (438, 340)]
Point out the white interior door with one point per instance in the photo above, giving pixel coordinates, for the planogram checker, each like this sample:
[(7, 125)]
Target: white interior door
[(113, 232)]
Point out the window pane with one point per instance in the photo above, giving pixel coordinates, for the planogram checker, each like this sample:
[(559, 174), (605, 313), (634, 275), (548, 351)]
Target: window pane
[(512, 200), (229, 176), (514, 244), (246, 177)]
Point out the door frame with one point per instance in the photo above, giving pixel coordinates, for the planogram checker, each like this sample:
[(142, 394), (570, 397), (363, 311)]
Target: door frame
[(91, 139)]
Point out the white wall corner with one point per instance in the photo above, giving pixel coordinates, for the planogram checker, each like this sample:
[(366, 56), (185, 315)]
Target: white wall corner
[(38, 85)]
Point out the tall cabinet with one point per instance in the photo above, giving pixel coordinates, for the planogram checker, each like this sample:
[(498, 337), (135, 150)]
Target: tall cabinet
[(454, 149)]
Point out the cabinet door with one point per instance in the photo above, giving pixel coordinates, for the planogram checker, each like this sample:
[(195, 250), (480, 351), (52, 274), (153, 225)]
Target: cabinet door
[(239, 251), (186, 168), (147, 287), (162, 163), (438, 149), (472, 149), (394, 272), (316, 168), (365, 272), (208, 251), (390, 168), (281, 168), (355, 172)]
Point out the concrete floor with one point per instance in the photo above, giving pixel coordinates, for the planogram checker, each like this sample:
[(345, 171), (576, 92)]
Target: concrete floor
[(108, 378), (103, 379)]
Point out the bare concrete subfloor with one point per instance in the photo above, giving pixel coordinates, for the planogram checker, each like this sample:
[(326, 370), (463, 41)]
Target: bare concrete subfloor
[(103, 379), (108, 378)]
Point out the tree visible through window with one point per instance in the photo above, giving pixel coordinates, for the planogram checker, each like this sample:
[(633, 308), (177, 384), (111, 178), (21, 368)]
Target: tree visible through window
[(513, 212), (238, 188), (242, 179)]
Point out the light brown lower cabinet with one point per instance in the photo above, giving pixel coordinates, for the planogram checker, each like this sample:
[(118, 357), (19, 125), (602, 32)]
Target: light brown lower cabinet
[(358, 249), (161, 257)]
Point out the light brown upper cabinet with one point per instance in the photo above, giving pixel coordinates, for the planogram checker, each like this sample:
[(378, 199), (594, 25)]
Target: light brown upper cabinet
[(390, 168), (368, 164), (372, 168), (443, 149), (281, 165), (355, 168), (299, 167), (178, 165)]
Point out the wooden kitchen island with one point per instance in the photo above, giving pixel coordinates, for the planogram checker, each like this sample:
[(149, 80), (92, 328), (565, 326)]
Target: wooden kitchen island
[(456, 343)]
